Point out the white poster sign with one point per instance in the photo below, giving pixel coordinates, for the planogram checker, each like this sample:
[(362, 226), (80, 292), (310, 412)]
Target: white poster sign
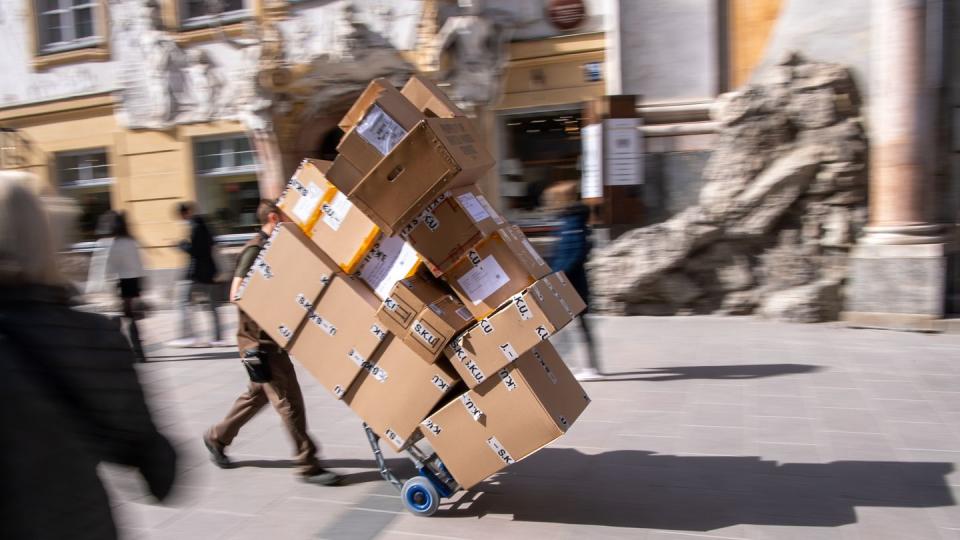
[(591, 177), (623, 163)]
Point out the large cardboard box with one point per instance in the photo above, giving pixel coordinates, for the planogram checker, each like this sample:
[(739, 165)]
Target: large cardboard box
[(496, 268), (429, 99), (522, 408), (285, 279), (450, 226), (379, 119), (437, 155), (342, 231), (344, 175), (301, 199), (528, 319), (407, 299), (397, 390), (389, 260), (435, 326), (340, 335)]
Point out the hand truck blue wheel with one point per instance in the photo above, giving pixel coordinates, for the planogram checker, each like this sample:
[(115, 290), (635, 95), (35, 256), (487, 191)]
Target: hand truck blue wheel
[(420, 496)]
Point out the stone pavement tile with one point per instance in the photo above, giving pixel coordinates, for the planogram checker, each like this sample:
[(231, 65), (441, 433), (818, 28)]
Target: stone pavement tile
[(719, 393), (711, 414), (713, 440), (847, 420), (924, 436), (779, 532), (909, 410), (948, 402), (892, 390), (651, 400), (794, 386), (649, 423), (729, 533), (840, 397), (947, 517), (660, 444), (784, 430), (878, 523), (939, 382), (773, 405), (142, 516), (204, 524), (837, 445), (950, 459), (834, 378), (790, 453)]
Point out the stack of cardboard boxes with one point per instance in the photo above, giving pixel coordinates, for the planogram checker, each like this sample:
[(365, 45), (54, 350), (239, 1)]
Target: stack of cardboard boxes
[(402, 290)]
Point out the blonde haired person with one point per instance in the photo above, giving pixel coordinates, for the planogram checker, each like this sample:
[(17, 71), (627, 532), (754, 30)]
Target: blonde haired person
[(71, 395)]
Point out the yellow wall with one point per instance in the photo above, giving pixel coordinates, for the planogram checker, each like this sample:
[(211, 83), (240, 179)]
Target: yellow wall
[(751, 23), (152, 170)]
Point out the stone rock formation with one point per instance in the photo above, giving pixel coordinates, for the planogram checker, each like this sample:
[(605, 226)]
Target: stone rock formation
[(783, 199)]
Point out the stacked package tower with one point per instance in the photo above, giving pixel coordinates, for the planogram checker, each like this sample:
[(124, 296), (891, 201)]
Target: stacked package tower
[(404, 293)]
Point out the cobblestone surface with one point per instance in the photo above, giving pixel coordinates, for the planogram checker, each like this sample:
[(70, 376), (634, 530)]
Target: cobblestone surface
[(706, 428)]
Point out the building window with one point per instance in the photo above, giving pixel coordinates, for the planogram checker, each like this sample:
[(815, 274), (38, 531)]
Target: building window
[(227, 186), (85, 176), (196, 13), (66, 24)]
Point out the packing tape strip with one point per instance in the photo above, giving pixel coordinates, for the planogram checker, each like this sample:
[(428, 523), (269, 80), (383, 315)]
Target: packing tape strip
[(328, 196), (351, 265)]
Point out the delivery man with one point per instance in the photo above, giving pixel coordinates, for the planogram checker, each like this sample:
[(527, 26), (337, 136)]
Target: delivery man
[(272, 377)]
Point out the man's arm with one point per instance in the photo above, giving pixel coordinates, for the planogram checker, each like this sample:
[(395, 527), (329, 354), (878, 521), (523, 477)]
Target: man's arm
[(244, 263)]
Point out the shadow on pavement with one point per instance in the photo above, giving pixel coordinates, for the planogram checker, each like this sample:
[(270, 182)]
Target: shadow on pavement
[(191, 356), (401, 467), (641, 489), (677, 373)]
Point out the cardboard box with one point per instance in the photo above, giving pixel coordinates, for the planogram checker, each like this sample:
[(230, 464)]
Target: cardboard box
[(495, 269), (344, 175), (340, 335), (437, 155), (397, 390), (301, 199), (286, 278), (528, 319), (450, 226), (429, 99), (435, 326), (379, 119), (342, 231), (407, 299), (389, 260), (481, 432)]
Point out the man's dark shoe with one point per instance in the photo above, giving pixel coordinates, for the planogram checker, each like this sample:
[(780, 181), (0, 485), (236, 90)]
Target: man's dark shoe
[(217, 456), (322, 477)]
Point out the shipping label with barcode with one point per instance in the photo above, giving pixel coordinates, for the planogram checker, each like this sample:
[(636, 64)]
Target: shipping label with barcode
[(381, 131), (335, 211), (472, 206)]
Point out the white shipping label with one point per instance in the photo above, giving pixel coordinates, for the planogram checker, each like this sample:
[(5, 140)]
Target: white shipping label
[(285, 332), (432, 427), (486, 327), (442, 384), (335, 211), (322, 323), (483, 280), (522, 307), (474, 209), (394, 438), (430, 221), (542, 332), (493, 213), (471, 407), (307, 204), (423, 333), (508, 380), (500, 451), (474, 370), (464, 313), (381, 131), (357, 358), (379, 332), (390, 261), (390, 303), (263, 268), (509, 352), (303, 302), (338, 391), (533, 252), (377, 372)]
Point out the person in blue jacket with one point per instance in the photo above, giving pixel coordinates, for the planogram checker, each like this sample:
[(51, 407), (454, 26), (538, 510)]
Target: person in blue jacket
[(570, 255)]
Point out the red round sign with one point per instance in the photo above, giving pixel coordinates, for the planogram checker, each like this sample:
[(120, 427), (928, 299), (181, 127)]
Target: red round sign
[(566, 14)]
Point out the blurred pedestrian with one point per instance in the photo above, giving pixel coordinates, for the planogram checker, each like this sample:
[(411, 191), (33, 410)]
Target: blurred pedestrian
[(118, 257), (272, 377), (570, 254), (71, 394), (199, 282)]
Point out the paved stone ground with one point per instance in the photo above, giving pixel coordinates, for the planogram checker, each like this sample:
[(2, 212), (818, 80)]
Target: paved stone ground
[(708, 428)]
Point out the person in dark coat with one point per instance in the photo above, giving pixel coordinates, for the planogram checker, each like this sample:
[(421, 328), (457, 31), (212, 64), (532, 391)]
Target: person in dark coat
[(200, 278), (570, 254), (71, 394)]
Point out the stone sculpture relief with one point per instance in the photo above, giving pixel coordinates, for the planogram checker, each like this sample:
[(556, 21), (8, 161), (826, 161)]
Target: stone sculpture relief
[(783, 200)]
